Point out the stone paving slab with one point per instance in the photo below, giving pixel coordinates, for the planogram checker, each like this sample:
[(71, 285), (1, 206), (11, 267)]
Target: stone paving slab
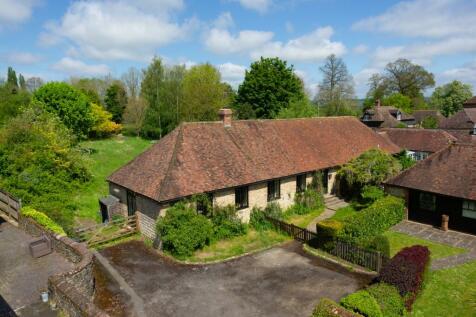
[(23, 277), (451, 238)]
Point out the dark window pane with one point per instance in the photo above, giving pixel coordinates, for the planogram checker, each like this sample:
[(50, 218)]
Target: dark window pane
[(274, 190), (241, 197), (301, 183)]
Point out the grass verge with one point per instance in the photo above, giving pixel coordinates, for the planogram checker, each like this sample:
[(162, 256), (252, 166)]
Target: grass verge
[(106, 156), (302, 220), (224, 249), (344, 212), (399, 240), (448, 292)]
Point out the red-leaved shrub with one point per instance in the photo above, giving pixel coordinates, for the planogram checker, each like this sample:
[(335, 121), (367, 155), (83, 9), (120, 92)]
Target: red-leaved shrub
[(406, 271)]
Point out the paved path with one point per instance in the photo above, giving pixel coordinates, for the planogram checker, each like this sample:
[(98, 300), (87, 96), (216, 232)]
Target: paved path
[(452, 238), (22, 277), (332, 203), (326, 214)]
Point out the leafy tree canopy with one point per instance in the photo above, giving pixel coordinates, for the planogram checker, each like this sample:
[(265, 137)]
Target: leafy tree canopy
[(268, 87), (399, 101), (449, 98), (301, 108), (12, 103), (116, 101), (429, 122), (69, 104)]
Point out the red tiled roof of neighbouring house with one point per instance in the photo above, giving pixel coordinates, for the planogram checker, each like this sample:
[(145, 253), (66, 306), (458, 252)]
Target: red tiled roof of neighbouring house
[(470, 103), (450, 172), (463, 119), (387, 115), (203, 157), (423, 140), (420, 115)]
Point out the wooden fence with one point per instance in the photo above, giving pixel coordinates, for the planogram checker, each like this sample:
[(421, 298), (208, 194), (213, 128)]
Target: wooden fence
[(9, 204), (370, 259), (99, 234)]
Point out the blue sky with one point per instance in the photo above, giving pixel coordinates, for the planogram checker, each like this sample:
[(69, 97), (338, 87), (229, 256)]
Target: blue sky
[(58, 39)]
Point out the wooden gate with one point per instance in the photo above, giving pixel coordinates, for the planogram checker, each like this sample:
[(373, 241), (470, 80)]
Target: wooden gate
[(102, 233), (9, 204)]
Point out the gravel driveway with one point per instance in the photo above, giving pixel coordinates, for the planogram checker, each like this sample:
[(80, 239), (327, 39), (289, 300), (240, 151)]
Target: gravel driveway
[(282, 281)]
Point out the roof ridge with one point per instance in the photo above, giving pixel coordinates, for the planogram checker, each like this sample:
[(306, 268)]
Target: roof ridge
[(270, 120), (177, 144)]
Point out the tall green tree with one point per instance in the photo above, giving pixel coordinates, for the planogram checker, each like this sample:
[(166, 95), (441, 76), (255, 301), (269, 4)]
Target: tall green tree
[(153, 76), (300, 108), (399, 101), (336, 90), (12, 102), (22, 82), (449, 98), (269, 86), (69, 104), (12, 80), (116, 101), (203, 93)]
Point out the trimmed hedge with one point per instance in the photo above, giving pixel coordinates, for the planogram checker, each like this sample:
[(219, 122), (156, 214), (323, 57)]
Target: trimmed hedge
[(42, 220), (387, 296), (329, 308), (406, 271), (328, 228), (374, 220), (363, 303)]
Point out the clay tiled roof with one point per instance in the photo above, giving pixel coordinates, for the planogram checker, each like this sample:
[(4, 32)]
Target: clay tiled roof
[(450, 172), (420, 115), (419, 139), (203, 157), (463, 119), (470, 103), (386, 115)]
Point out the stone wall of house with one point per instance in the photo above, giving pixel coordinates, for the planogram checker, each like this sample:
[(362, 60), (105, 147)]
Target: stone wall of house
[(146, 225), (71, 291)]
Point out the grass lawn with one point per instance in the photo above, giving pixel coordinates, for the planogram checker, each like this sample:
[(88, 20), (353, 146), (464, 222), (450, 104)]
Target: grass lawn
[(107, 156), (449, 292), (252, 241), (343, 213), (400, 240), (303, 220)]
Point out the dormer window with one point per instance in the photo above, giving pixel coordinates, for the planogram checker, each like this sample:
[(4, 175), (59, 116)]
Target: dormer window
[(399, 116), (474, 129), (367, 117)]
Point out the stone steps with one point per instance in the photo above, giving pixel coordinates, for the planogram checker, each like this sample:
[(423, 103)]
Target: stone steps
[(333, 202)]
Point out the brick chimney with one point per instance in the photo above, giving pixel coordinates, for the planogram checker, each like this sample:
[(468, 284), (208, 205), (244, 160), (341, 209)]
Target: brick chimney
[(225, 116), (377, 103)]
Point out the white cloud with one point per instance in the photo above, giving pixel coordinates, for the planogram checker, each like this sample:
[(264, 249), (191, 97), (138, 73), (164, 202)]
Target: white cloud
[(15, 11), (232, 73), (118, 29), (361, 80), (360, 49), (289, 27), (22, 58), (224, 21), (424, 18), (258, 5), (76, 67), (466, 73), (221, 41), (314, 46)]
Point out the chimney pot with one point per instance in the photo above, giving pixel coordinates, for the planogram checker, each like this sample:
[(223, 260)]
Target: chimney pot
[(225, 116)]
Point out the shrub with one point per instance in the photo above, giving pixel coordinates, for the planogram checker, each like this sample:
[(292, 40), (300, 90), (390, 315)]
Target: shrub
[(371, 193), (103, 125), (374, 220), (183, 231), (42, 220), (406, 271), (388, 298), (307, 201), (258, 216), (273, 210), (328, 228), (329, 308), (226, 224), (363, 303), (379, 243)]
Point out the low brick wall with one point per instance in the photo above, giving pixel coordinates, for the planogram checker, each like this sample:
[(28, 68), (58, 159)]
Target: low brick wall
[(72, 291)]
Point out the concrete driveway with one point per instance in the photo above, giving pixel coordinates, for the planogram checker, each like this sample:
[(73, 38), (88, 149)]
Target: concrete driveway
[(282, 281)]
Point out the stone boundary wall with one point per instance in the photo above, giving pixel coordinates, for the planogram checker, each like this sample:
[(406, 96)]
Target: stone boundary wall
[(71, 291)]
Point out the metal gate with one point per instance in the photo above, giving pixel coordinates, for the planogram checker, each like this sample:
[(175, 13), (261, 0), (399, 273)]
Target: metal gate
[(9, 204)]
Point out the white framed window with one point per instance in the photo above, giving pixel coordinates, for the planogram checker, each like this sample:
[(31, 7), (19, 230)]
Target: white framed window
[(274, 190), (469, 209)]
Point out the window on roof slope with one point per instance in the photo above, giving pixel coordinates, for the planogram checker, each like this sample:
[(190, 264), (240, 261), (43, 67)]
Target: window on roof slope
[(241, 197), (274, 190)]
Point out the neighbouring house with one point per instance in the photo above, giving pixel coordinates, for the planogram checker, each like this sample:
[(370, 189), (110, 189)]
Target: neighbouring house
[(419, 143), (244, 163), (443, 184), (421, 115), (463, 123), (386, 117)]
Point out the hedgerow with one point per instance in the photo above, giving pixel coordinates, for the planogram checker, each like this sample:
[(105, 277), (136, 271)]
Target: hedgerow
[(388, 298), (363, 303), (42, 220), (329, 308)]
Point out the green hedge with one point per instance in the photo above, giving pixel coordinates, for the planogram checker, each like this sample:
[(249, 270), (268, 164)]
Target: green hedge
[(42, 219), (363, 303), (329, 308), (388, 298), (374, 220), (328, 228)]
